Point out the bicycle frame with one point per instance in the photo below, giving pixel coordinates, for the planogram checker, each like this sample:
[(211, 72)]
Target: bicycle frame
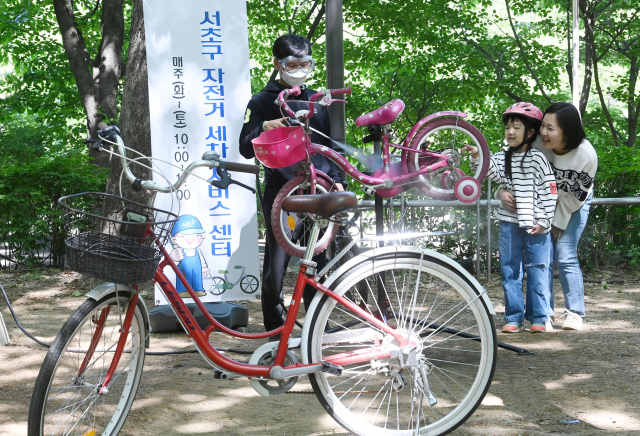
[(201, 337)]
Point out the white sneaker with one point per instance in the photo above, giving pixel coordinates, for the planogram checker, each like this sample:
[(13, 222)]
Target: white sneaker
[(573, 321)]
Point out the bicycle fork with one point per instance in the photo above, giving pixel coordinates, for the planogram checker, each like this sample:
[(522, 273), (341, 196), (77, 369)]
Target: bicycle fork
[(125, 326)]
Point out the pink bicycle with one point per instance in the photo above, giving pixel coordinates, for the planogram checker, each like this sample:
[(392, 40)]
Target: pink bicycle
[(430, 160), (415, 360)]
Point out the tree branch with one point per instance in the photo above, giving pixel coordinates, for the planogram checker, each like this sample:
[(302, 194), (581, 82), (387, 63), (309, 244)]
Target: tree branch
[(93, 11), (316, 22), (512, 95), (615, 36), (76, 53), (603, 104), (524, 56)]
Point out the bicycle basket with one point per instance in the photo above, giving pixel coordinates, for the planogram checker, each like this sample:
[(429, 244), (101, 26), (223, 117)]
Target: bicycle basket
[(281, 147), (112, 238)]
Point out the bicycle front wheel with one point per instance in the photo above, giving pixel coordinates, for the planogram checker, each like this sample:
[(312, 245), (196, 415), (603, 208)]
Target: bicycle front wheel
[(66, 398), (427, 383)]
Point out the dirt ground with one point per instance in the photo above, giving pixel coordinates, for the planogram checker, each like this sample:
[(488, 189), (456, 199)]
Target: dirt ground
[(591, 375)]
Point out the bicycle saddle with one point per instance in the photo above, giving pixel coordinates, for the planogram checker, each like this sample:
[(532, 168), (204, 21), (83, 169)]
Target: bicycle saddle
[(324, 205), (386, 114)]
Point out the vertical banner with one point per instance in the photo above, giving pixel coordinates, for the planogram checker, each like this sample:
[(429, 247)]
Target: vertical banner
[(199, 84)]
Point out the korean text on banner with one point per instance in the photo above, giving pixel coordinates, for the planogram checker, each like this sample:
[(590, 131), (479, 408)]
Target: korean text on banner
[(198, 64)]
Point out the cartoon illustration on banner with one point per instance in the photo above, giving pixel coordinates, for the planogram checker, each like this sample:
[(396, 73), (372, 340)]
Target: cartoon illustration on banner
[(198, 63)]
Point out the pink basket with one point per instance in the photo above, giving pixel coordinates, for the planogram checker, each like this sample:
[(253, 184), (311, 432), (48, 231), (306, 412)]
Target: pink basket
[(281, 147)]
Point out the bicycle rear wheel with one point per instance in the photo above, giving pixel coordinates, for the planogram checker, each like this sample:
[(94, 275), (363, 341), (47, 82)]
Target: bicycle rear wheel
[(447, 136), (65, 398), (429, 387)]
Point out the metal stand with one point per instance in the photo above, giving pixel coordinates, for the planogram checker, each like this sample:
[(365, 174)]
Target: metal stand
[(379, 212), (4, 334)]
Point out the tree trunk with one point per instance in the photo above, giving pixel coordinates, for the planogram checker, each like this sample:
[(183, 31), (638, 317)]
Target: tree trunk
[(134, 117), (97, 79), (589, 42), (632, 105)]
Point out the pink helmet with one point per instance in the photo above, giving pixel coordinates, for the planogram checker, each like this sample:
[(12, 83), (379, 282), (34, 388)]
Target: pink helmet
[(524, 109)]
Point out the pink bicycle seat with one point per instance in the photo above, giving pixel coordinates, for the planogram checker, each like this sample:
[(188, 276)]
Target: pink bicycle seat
[(387, 114)]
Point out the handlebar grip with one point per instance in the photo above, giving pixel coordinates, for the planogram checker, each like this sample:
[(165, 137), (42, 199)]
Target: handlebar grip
[(295, 90), (341, 91), (242, 168), (102, 125)]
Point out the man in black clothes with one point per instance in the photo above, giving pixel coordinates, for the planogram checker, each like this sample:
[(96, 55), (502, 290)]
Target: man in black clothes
[(292, 59)]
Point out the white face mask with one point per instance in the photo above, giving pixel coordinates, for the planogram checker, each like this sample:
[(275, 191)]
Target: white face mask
[(293, 79)]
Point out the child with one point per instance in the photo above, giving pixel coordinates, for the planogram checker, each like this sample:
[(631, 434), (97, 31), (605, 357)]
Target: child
[(524, 236)]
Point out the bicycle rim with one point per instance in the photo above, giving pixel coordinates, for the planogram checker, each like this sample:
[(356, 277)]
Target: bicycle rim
[(449, 136), (66, 399), (437, 309)]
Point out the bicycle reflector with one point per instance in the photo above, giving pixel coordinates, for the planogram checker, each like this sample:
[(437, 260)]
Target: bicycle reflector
[(281, 147)]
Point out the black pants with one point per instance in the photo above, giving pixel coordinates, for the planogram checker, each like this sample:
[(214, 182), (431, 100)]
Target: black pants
[(274, 268)]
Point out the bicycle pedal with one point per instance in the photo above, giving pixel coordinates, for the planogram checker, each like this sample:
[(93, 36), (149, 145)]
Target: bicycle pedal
[(331, 368), (224, 375)]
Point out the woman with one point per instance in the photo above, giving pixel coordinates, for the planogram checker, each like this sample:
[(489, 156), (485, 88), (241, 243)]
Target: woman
[(575, 162)]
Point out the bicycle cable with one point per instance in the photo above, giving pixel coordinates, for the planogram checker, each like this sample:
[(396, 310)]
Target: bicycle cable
[(148, 353)]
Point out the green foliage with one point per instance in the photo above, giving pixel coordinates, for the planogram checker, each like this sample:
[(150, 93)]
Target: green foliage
[(613, 232), (35, 170), (38, 80)]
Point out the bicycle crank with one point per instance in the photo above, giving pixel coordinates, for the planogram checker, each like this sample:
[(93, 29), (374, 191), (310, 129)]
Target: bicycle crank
[(264, 355)]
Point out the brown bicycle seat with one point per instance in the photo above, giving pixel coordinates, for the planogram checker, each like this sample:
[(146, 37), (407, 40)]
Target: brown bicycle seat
[(324, 205)]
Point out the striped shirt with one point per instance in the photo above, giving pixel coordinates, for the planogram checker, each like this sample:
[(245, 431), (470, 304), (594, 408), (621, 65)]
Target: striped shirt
[(533, 184)]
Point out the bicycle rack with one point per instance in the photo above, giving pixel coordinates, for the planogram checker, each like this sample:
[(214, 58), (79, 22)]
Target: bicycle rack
[(4, 334)]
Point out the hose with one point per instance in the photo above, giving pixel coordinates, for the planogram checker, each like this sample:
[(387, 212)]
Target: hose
[(148, 353)]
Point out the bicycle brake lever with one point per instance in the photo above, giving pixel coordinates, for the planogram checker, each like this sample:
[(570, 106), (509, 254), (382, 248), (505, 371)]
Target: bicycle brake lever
[(249, 188), (226, 180)]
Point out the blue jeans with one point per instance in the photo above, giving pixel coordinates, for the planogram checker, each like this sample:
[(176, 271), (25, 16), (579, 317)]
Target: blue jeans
[(565, 255), (521, 251)]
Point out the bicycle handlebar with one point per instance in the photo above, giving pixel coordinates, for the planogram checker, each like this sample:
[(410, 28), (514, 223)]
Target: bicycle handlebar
[(325, 101), (209, 159), (242, 168)]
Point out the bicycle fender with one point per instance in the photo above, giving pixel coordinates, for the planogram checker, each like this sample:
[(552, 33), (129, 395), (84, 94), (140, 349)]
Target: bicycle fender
[(427, 119), (102, 291)]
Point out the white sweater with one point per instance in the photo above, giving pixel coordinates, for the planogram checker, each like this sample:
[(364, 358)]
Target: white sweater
[(533, 185), (575, 173)]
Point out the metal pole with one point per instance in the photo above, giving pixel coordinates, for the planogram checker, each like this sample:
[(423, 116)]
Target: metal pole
[(488, 230), (575, 47), (478, 238), (4, 334), (335, 66)]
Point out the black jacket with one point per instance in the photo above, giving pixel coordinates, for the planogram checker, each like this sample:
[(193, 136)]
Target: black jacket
[(262, 108)]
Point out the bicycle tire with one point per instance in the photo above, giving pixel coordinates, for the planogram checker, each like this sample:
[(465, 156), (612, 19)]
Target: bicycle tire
[(294, 240), (436, 133), (217, 281), (249, 282), (62, 404), (369, 400)]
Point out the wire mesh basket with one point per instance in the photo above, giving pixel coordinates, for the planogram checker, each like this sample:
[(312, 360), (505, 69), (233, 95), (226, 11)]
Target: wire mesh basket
[(112, 238)]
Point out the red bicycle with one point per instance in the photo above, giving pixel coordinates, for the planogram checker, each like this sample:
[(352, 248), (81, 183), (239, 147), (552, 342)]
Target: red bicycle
[(416, 357)]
